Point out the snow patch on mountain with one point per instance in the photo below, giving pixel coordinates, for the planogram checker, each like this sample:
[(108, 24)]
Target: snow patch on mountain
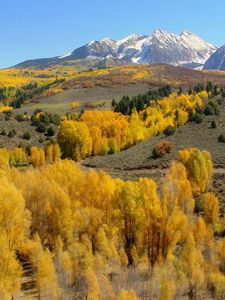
[(66, 55), (186, 49)]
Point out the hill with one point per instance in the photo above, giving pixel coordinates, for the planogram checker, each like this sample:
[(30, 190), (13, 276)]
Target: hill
[(102, 85), (139, 157)]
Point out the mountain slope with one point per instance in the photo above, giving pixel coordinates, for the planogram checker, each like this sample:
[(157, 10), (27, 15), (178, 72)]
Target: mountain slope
[(185, 49), (217, 60)]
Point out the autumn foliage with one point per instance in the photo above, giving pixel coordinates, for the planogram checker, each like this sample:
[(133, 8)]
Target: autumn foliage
[(103, 132), (101, 238)]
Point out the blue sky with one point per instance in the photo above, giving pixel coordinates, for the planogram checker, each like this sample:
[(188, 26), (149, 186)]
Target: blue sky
[(45, 28)]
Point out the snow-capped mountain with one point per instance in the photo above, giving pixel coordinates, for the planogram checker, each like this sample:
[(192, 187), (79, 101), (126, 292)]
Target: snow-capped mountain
[(217, 60), (185, 49)]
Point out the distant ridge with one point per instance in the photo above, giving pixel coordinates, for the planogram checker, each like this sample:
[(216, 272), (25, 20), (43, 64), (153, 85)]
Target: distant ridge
[(186, 49)]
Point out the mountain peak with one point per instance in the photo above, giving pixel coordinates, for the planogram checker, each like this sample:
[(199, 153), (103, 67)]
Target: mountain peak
[(159, 31), (107, 40), (187, 32), (186, 49), (132, 37)]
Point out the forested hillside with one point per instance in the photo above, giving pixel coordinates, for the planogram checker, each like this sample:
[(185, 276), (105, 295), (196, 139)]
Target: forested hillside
[(69, 232), (90, 236)]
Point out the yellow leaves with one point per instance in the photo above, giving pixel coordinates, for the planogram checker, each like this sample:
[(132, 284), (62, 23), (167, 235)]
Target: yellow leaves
[(97, 226), (14, 157), (14, 218), (4, 108), (199, 168), (18, 77), (53, 153), (46, 277), (217, 279), (10, 271), (41, 259), (106, 132), (75, 104), (138, 130), (203, 95), (74, 140), (211, 208), (182, 117), (93, 289), (17, 156), (178, 188), (37, 157), (127, 295), (4, 159), (192, 264)]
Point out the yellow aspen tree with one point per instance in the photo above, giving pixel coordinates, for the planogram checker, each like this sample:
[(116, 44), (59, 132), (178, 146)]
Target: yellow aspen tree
[(46, 277), (192, 263), (10, 270), (74, 140), (217, 280), (128, 203), (200, 232), (151, 218), (127, 295), (93, 290), (179, 188), (64, 265), (50, 153), (4, 159), (37, 157), (211, 208), (14, 218), (56, 153), (34, 156), (162, 284), (199, 168), (41, 157)]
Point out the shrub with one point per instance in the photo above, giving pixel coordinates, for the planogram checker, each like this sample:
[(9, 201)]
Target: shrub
[(211, 109), (197, 118), (26, 136), (41, 140), (8, 113), (41, 128), (19, 118), (162, 149), (50, 131), (213, 124), (54, 119), (45, 119), (221, 138), (3, 132), (12, 133), (169, 130)]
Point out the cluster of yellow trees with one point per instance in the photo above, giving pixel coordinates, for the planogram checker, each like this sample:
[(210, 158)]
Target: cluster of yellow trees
[(38, 157), (17, 77), (102, 132), (4, 108), (91, 236)]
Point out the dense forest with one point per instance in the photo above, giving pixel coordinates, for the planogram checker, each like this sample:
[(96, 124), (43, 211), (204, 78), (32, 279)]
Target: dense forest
[(90, 236)]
